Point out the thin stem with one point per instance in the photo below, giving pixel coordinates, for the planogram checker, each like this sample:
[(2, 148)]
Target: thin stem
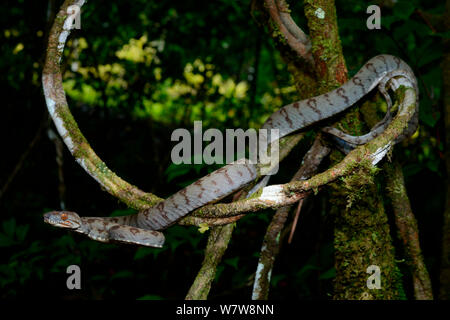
[(272, 239)]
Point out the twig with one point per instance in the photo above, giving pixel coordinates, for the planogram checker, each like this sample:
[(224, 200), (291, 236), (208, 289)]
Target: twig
[(59, 161), (214, 251), (291, 26), (294, 223), (298, 41), (271, 242), (217, 244), (23, 157), (210, 222)]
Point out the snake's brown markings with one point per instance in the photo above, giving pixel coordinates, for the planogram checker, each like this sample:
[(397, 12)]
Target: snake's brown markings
[(357, 81), (134, 231), (307, 111), (341, 93), (312, 103), (139, 228), (183, 193), (286, 117), (327, 97), (250, 172), (384, 61), (227, 177), (371, 68)]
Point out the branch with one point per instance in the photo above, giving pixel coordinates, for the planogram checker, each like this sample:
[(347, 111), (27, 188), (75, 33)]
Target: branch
[(217, 244), (370, 154), (297, 40), (329, 61), (23, 157), (271, 244), (404, 218), (291, 26), (219, 237), (215, 249), (292, 43), (210, 222), (67, 127), (60, 165)]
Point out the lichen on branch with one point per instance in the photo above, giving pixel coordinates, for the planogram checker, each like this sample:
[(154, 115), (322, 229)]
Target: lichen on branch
[(67, 126)]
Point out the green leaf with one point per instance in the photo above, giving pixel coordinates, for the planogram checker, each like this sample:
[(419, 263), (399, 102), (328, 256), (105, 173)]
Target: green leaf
[(21, 232), (277, 278), (175, 171), (232, 262), (122, 275), (219, 271), (444, 35), (203, 227), (429, 57), (330, 273), (433, 165), (403, 9), (9, 227), (305, 270), (98, 277), (426, 113), (7, 275), (143, 252), (411, 169), (6, 241), (388, 21)]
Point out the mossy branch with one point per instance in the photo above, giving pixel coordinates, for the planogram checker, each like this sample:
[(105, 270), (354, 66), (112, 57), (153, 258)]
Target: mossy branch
[(272, 242), (217, 244), (283, 26), (290, 40), (68, 128), (366, 155)]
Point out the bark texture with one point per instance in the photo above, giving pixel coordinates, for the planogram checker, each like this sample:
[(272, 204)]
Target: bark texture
[(361, 228), (217, 244)]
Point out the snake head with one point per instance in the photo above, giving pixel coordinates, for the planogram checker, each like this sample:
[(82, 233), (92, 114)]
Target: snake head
[(63, 219)]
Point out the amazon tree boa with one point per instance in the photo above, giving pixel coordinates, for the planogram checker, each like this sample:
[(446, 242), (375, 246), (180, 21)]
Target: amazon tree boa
[(384, 71)]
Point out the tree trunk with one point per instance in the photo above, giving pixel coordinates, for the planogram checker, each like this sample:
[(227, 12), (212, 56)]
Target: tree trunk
[(361, 229)]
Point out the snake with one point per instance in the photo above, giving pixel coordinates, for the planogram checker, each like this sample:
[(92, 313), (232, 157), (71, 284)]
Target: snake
[(143, 228)]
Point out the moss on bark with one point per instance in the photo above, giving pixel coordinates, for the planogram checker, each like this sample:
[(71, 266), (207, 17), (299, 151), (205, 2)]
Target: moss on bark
[(361, 229)]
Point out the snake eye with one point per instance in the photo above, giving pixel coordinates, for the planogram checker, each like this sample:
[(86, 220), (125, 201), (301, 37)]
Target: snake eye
[(64, 216)]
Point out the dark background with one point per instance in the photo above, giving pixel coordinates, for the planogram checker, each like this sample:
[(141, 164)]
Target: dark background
[(199, 60)]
